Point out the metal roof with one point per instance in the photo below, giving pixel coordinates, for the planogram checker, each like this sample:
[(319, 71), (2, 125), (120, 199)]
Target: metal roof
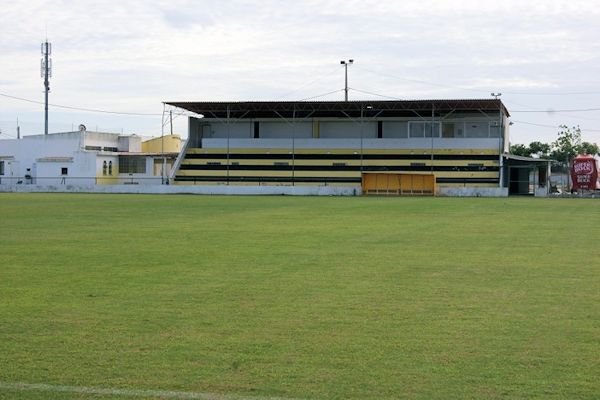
[(347, 109), (525, 159)]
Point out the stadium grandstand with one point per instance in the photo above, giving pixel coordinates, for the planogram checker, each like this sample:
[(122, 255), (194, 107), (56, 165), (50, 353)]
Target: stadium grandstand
[(389, 147)]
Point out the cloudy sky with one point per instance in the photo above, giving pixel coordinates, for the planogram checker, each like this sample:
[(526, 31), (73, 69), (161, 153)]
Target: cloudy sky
[(129, 56)]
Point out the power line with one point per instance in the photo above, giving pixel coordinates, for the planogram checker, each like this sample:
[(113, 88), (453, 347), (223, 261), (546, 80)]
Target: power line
[(322, 95), (475, 90), (552, 126), (375, 94), (549, 111), (308, 84), (6, 134), (79, 108)]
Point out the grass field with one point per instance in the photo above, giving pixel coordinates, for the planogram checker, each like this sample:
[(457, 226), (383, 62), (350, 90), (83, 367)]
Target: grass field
[(300, 297)]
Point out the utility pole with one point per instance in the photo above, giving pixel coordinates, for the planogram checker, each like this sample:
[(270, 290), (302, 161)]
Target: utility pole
[(345, 64), (46, 72), (162, 149)]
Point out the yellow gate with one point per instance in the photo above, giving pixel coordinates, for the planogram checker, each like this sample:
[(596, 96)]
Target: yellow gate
[(398, 184)]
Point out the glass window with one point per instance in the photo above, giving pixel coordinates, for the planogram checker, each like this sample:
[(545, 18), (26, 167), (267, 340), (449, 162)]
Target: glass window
[(495, 129), (132, 164), (477, 130), (64, 171), (1, 167), (419, 129)]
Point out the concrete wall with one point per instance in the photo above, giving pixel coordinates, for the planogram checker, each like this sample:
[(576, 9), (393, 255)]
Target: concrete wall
[(171, 189), (194, 132), (416, 143), (233, 130), (167, 144), (97, 139), (472, 192), (395, 129), (272, 130), (26, 151), (239, 190), (129, 144), (347, 129), (44, 156), (474, 125)]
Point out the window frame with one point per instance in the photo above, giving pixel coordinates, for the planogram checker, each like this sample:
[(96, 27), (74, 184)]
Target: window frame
[(412, 123)]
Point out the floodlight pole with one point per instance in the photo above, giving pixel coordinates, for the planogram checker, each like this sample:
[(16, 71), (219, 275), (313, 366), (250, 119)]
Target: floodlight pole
[(345, 64)]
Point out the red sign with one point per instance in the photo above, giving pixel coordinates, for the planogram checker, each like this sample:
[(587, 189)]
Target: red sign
[(584, 173)]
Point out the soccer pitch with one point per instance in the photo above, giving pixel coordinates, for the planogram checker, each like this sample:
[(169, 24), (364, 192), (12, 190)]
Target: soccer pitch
[(298, 297)]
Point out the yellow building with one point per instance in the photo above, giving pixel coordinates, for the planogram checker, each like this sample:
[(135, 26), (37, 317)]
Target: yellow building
[(165, 144)]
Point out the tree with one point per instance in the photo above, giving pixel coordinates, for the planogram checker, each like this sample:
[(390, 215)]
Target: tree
[(539, 149), (567, 145), (535, 149), (589, 148), (520, 150)]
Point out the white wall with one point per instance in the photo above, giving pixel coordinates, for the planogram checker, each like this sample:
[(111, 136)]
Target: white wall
[(196, 189), (395, 129), (414, 143), (46, 155), (273, 130), (347, 129), (234, 130)]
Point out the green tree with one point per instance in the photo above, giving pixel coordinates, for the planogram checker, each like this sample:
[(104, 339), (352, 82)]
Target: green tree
[(535, 149), (539, 149), (520, 150), (589, 148), (567, 145)]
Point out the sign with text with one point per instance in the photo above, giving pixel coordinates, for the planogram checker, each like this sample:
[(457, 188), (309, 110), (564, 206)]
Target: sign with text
[(584, 173)]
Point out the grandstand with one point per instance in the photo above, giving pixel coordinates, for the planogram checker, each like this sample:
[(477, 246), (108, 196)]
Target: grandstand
[(403, 147)]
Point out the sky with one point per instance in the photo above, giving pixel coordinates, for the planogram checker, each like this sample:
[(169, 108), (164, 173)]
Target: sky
[(130, 56)]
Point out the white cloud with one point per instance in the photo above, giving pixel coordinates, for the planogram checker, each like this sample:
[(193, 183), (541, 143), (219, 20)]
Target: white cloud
[(133, 55)]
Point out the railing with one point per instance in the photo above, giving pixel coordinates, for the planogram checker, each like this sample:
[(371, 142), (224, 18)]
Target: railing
[(83, 181), (266, 181)]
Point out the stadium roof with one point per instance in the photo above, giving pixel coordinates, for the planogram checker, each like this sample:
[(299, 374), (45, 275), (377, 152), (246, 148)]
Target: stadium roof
[(344, 109)]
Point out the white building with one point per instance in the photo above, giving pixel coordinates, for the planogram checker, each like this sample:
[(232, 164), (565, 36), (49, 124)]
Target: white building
[(81, 158)]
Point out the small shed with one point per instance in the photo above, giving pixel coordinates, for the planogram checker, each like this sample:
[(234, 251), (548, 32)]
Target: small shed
[(526, 175)]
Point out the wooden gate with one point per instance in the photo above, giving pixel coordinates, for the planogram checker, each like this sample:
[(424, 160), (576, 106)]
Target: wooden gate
[(398, 184)]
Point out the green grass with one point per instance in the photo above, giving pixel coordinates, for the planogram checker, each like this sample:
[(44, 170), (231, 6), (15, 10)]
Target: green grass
[(301, 297)]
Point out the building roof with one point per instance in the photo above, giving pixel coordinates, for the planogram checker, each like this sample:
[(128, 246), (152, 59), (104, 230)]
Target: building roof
[(343, 109), (525, 159)]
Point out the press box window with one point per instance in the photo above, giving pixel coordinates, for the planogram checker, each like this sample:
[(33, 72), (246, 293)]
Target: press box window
[(453, 130), (495, 130), (421, 129), (64, 171)]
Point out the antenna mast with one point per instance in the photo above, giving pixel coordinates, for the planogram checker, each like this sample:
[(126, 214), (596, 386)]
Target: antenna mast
[(46, 73)]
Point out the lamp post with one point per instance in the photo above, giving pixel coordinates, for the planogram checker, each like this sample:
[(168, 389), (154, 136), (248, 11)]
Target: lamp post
[(345, 64)]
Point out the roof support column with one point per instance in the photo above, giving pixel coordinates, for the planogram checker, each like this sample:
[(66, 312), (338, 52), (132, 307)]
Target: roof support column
[(501, 150), (228, 134), (294, 145)]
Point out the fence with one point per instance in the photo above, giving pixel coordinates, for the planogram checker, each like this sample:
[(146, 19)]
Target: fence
[(82, 180)]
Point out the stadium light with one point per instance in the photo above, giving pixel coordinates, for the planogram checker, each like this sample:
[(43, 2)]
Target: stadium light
[(345, 64)]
